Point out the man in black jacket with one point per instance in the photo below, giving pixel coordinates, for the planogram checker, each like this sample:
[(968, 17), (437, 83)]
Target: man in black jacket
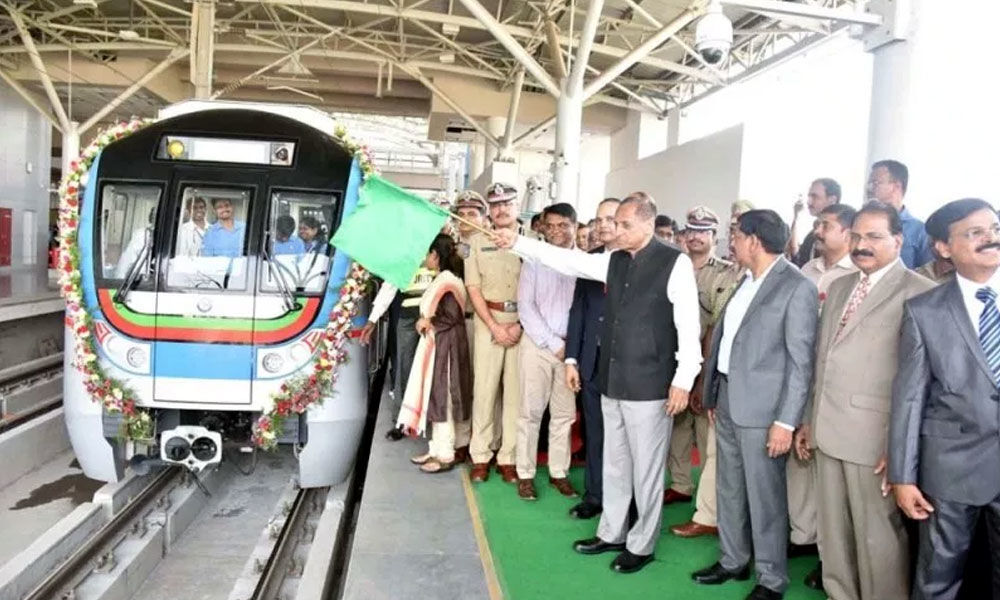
[(583, 344)]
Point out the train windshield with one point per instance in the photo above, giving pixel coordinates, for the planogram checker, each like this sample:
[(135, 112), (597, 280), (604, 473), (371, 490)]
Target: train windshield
[(298, 247), (128, 220), (210, 248)]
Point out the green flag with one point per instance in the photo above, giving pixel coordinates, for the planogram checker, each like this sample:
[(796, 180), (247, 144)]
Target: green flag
[(390, 230)]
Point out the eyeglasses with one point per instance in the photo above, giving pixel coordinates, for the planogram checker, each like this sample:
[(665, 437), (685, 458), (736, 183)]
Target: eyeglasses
[(977, 234), (873, 238)]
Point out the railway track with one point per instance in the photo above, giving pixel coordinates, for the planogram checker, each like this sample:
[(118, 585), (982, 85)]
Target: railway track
[(30, 390)]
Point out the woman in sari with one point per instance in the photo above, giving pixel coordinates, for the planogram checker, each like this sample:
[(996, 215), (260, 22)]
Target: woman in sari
[(439, 390)]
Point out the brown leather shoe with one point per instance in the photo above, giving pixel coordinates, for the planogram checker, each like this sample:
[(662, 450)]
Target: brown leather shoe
[(461, 454), (671, 496), (526, 489), (508, 473), (564, 486), (692, 529), (480, 472)]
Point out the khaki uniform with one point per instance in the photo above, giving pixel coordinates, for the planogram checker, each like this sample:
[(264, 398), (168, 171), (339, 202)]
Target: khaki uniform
[(716, 280), (496, 273)]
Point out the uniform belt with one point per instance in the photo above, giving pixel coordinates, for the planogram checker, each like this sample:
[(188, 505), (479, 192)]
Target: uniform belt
[(509, 306)]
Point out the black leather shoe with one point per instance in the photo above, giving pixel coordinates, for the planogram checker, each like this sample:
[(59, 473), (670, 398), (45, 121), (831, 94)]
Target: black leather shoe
[(585, 510), (394, 435), (626, 562), (797, 550), (715, 575), (596, 545), (760, 592), (814, 579)]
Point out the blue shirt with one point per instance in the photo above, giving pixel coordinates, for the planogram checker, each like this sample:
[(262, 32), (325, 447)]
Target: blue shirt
[(219, 241), (916, 250), (293, 245)]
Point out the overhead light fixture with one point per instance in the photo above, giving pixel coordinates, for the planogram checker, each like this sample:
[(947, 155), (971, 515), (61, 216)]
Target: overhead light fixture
[(128, 34), (447, 58), (449, 29), (91, 3)]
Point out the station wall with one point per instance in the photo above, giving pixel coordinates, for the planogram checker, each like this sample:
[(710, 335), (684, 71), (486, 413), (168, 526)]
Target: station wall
[(25, 159)]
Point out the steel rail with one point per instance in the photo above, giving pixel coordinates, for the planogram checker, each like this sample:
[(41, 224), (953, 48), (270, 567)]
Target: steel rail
[(269, 584)]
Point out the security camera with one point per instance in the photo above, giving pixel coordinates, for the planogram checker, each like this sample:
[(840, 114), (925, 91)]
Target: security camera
[(713, 36)]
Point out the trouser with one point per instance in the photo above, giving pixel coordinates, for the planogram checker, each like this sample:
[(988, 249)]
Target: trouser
[(945, 538), (705, 512), (865, 551), (593, 422), (442, 442), (689, 429), (752, 500), (463, 429), (493, 362), (636, 437), (801, 476), (407, 339), (543, 384)]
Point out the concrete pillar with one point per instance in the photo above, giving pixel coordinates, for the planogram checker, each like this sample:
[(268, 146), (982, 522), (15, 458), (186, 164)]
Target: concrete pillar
[(477, 158), (939, 128), (496, 126), (70, 146), (566, 157), (673, 127), (202, 47)]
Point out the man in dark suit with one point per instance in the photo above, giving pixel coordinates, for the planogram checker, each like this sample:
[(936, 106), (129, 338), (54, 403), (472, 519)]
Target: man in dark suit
[(583, 334), (757, 382), (944, 437)]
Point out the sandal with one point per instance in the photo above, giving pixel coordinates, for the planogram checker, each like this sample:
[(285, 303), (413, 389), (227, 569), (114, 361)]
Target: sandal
[(435, 465), (420, 458)]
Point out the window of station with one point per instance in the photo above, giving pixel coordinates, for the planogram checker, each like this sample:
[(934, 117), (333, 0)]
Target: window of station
[(210, 244), (128, 221), (298, 242)]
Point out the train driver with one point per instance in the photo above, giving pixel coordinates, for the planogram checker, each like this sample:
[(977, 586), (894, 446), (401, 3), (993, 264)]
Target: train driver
[(284, 241), (225, 236), (193, 231), (312, 238)]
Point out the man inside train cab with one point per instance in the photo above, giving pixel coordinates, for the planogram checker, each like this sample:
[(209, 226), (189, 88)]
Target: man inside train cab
[(225, 236)]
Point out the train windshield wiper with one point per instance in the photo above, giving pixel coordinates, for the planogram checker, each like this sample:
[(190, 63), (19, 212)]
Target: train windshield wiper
[(121, 295), (286, 293)]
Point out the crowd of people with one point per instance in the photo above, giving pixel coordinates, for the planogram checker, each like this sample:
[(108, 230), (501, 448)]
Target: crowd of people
[(842, 392)]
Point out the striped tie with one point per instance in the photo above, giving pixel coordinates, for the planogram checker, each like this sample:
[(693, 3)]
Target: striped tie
[(989, 329)]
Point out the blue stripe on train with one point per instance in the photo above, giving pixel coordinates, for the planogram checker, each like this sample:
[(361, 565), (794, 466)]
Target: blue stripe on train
[(85, 234)]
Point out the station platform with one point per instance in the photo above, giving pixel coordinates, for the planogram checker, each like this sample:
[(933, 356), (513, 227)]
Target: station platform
[(28, 293), (439, 536)]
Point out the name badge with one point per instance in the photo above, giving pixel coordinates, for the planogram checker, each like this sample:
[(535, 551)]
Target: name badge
[(489, 249)]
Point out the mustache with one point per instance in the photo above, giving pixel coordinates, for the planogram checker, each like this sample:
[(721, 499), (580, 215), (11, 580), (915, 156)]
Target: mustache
[(989, 246), (867, 253)]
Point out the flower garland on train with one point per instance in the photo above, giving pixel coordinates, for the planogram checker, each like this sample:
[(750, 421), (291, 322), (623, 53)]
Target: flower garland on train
[(293, 398)]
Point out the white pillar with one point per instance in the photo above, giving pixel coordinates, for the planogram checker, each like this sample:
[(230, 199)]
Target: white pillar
[(940, 129), (202, 47), (70, 146), (477, 159), (566, 158), (497, 126)]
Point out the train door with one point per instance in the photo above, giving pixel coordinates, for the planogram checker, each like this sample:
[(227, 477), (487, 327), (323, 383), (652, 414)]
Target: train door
[(205, 300)]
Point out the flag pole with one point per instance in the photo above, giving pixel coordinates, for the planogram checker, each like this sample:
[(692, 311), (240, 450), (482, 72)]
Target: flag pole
[(475, 226)]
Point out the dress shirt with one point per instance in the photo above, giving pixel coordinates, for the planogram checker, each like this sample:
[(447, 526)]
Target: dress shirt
[(544, 297), (293, 245), (974, 306), (916, 250), (189, 239), (873, 279), (220, 241), (682, 291), (383, 299), (737, 308), (818, 273)]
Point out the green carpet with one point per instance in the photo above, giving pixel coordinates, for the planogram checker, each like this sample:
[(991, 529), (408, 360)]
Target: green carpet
[(532, 550)]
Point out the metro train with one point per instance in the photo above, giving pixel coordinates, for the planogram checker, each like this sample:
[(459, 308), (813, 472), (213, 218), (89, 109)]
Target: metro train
[(207, 273)]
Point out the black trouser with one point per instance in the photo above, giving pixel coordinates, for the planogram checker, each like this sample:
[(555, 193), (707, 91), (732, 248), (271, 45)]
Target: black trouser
[(945, 541), (407, 339), (593, 421)]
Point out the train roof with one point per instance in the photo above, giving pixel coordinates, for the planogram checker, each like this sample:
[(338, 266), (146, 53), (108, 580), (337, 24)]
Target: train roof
[(307, 115)]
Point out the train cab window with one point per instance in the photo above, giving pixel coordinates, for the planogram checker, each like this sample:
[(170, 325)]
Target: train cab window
[(128, 218), (211, 238), (298, 249)]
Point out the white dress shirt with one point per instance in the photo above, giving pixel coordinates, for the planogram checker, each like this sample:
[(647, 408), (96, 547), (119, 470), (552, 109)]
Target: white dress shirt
[(189, 239), (383, 299), (817, 272), (682, 291), (974, 306), (736, 310)]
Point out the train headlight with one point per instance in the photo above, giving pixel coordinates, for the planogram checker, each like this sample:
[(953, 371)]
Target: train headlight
[(176, 449), (136, 357), (300, 352), (175, 149), (273, 362), (204, 449)]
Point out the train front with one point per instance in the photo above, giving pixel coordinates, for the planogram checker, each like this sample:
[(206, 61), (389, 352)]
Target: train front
[(209, 281)]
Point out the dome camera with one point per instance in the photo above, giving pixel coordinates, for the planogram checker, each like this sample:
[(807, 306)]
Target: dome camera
[(713, 36)]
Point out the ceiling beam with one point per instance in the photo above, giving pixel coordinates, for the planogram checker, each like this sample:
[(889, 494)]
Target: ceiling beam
[(36, 61)]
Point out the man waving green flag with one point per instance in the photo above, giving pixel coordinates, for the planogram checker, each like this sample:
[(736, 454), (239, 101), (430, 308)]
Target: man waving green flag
[(390, 230)]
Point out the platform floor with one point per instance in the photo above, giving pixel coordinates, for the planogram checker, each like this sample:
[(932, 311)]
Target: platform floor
[(415, 536), (27, 293)]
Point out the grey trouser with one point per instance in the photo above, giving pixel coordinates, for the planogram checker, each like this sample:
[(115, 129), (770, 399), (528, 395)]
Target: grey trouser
[(636, 437), (407, 339), (752, 500)]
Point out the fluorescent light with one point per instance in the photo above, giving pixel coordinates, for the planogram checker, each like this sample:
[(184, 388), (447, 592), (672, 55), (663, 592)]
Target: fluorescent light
[(128, 34)]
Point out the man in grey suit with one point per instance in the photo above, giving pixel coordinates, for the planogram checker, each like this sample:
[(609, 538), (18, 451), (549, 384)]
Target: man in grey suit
[(865, 548), (757, 381), (944, 439)]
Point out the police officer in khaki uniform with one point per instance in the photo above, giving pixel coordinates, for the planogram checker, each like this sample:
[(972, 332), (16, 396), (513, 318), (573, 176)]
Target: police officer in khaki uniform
[(716, 279), (491, 277)]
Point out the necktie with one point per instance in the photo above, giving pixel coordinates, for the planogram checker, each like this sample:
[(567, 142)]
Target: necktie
[(857, 297), (989, 329)]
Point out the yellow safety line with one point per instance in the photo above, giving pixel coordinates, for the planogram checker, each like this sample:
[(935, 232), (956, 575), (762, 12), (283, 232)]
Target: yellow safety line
[(492, 581)]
